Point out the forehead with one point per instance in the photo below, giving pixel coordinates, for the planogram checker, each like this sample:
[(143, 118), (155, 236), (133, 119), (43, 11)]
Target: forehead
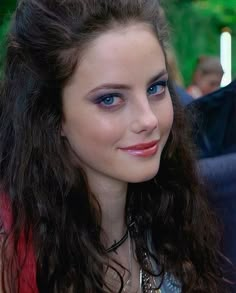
[(129, 54), (121, 38)]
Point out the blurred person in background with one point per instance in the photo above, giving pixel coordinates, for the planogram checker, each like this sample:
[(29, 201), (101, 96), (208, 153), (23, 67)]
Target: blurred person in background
[(207, 76)]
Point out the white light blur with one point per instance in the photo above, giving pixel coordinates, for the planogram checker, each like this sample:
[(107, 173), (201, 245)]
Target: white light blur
[(226, 57)]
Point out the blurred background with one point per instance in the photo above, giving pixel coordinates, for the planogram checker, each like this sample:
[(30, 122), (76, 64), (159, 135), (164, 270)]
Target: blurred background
[(196, 28)]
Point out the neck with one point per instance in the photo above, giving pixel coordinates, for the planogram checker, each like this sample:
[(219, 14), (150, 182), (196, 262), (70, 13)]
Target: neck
[(111, 196), (113, 214), (113, 219)]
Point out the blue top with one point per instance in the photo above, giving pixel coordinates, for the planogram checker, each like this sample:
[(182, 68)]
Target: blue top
[(170, 284)]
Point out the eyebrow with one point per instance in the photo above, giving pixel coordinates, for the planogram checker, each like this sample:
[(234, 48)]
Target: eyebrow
[(126, 87)]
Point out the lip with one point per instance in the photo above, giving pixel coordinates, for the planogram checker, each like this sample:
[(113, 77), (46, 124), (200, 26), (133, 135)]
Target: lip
[(142, 149), (141, 146)]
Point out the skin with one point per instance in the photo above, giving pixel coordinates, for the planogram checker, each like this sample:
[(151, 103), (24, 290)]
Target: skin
[(130, 57), (204, 83), (209, 82), (138, 110)]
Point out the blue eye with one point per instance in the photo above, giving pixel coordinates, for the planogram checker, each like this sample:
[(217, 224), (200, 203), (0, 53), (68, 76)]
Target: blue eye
[(109, 101), (157, 88)]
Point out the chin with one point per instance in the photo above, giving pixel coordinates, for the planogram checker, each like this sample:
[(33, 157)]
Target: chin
[(144, 176)]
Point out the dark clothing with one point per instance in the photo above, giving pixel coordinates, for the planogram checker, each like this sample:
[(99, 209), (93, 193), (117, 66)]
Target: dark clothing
[(214, 128), (220, 177), (214, 131)]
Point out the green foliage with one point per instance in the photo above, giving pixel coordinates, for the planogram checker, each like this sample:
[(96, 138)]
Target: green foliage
[(3, 32), (196, 27), (6, 9)]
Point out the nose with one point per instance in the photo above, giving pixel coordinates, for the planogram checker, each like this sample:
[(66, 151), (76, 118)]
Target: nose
[(144, 118)]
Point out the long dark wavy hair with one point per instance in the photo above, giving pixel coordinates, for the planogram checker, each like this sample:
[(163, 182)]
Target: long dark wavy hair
[(50, 199)]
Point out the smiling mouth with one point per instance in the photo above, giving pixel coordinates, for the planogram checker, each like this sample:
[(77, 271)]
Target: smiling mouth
[(143, 149)]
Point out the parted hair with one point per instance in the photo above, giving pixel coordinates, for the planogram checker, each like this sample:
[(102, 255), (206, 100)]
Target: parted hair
[(50, 198)]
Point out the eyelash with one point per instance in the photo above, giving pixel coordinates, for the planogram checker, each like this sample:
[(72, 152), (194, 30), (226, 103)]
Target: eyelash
[(100, 100), (161, 83)]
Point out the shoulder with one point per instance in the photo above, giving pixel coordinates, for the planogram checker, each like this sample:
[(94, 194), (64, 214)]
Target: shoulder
[(25, 255), (5, 219)]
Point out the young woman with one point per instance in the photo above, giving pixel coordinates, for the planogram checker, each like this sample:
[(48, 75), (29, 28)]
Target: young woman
[(99, 191)]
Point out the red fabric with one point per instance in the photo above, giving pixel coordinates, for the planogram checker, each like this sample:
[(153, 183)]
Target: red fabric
[(27, 280)]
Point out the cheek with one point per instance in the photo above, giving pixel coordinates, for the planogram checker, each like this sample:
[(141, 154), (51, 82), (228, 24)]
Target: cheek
[(86, 132), (169, 116), (104, 131), (165, 117)]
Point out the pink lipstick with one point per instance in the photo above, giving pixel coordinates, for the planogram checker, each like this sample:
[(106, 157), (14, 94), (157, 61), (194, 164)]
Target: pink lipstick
[(142, 149)]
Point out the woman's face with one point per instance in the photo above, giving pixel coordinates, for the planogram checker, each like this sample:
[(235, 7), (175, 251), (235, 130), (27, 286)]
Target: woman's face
[(117, 110)]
